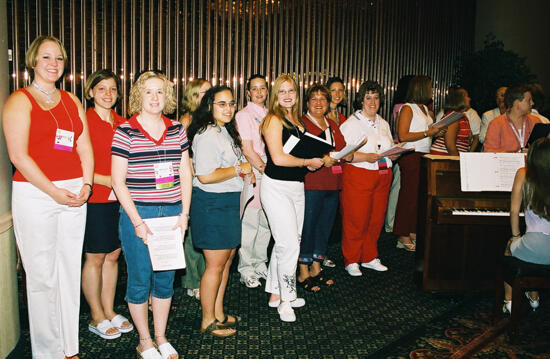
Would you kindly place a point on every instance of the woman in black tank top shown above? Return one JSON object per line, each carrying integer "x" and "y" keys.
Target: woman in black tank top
{"x": 282, "y": 195}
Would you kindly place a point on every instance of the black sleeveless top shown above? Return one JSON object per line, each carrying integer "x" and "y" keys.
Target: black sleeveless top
{"x": 285, "y": 173}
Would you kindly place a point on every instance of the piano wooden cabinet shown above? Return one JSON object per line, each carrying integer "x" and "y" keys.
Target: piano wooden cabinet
{"x": 458, "y": 252}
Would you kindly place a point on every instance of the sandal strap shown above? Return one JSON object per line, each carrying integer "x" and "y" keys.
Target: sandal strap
{"x": 166, "y": 350}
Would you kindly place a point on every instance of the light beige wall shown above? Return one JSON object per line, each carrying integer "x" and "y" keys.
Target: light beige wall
{"x": 9, "y": 310}
{"x": 524, "y": 27}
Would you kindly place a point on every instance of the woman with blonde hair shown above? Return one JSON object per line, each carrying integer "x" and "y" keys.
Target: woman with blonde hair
{"x": 151, "y": 176}
{"x": 192, "y": 96}
{"x": 48, "y": 143}
{"x": 282, "y": 194}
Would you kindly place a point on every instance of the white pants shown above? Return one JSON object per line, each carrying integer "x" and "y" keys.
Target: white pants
{"x": 50, "y": 238}
{"x": 283, "y": 203}
{"x": 254, "y": 242}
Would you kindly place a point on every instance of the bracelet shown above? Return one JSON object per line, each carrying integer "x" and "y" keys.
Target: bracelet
{"x": 137, "y": 225}
{"x": 304, "y": 163}
{"x": 516, "y": 235}
{"x": 425, "y": 133}
{"x": 238, "y": 169}
{"x": 91, "y": 187}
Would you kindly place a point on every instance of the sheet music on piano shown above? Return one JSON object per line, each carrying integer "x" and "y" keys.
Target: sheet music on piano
{"x": 486, "y": 171}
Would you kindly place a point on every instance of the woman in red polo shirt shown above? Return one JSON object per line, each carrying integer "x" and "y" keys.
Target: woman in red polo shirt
{"x": 101, "y": 243}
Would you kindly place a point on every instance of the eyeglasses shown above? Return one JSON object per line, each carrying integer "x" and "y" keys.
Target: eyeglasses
{"x": 284, "y": 92}
{"x": 224, "y": 105}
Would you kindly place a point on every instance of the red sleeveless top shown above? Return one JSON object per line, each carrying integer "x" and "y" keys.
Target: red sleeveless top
{"x": 57, "y": 165}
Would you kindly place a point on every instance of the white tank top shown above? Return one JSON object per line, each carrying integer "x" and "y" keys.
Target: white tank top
{"x": 419, "y": 123}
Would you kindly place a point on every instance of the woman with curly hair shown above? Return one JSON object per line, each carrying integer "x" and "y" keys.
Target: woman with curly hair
{"x": 220, "y": 169}
{"x": 151, "y": 176}
{"x": 531, "y": 189}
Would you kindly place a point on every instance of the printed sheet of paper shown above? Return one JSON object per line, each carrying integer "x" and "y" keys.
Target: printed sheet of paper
{"x": 349, "y": 149}
{"x": 487, "y": 171}
{"x": 396, "y": 150}
{"x": 112, "y": 196}
{"x": 447, "y": 120}
{"x": 165, "y": 244}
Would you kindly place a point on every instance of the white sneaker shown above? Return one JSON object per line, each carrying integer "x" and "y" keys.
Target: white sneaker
{"x": 286, "y": 312}
{"x": 250, "y": 282}
{"x": 296, "y": 303}
{"x": 353, "y": 270}
{"x": 533, "y": 303}
{"x": 375, "y": 264}
{"x": 196, "y": 293}
{"x": 507, "y": 307}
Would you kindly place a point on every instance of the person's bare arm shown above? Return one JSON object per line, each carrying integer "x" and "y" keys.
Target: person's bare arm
{"x": 273, "y": 136}
{"x": 16, "y": 121}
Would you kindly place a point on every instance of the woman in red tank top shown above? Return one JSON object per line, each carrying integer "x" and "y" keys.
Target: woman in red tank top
{"x": 48, "y": 143}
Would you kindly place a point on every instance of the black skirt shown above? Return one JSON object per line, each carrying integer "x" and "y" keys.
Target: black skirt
{"x": 101, "y": 235}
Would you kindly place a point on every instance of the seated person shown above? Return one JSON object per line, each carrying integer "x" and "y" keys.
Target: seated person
{"x": 530, "y": 187}
{"x": 490, "y": 115}
{"x": 458, "y": 137}
{"x": 510, "y": 132}
{"x": 538, "y": 99}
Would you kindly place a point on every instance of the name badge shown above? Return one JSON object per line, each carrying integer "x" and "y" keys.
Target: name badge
{"x": 336, "y": 169}
{"x": 382, "y": 166}
{"x": 164, "y": 175}
{"x": 64, "y": 140}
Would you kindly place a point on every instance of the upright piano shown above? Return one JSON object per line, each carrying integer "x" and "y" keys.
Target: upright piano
{"x": 460, "y": 235}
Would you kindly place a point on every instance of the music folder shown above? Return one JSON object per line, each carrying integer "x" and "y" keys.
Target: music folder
{"x": 307, "y": 146}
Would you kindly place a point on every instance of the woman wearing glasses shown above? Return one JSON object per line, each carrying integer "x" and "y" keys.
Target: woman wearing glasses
{"x": 220, "y": 169}
{"x": 282, "y": 195}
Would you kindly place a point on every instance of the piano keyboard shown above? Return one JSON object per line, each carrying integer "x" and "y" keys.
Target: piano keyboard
{"x": 493, "y": 212}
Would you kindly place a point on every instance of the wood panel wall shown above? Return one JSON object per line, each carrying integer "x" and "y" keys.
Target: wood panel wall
{"x": 226, "y": 41}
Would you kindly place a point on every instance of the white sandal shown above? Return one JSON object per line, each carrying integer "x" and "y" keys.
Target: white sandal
{"x": 150, "y": 353}
{"x": 166, "y": 350}
{"x": 117, "y": 322}
{"x": 101, "y": 329}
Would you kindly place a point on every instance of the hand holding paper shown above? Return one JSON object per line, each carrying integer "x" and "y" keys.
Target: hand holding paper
{"x": 352, "y": 147}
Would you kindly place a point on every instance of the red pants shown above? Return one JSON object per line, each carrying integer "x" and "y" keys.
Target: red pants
{"x": 364, "y": 199}
{"x": 406, "y": 212}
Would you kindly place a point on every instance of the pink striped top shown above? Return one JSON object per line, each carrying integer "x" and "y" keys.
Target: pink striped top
{"x": 132, "y": 142}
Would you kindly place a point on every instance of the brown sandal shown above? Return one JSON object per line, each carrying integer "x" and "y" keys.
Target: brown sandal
{"x": 214, "y": 326}
{"x": 309, "y": 284}
{"x": 226, "y": 323}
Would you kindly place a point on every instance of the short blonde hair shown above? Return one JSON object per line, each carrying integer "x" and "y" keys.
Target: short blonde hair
{"x": 135, "y": 104}
{"x": 190, "y": 99}
{"x": 32, "y": 52}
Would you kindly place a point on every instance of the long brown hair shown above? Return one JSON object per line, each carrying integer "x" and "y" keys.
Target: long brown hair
{"x": 275, "y": 109}
{"x": 536, "y": 192}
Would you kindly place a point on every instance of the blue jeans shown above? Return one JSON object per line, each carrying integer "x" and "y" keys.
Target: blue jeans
{"x": 319, "y": 216}
{"x": 141, "y": 277}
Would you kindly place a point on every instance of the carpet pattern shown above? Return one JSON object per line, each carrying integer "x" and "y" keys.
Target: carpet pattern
{"x": 379, "y": 315}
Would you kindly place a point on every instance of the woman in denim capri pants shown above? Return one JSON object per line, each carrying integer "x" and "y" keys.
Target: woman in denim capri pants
{"x": 151, "y": 175}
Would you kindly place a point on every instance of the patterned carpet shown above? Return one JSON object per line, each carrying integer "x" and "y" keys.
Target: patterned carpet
{"x": 379, "y": 315}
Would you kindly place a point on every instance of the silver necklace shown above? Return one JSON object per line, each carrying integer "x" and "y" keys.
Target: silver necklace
{"x": 48, "y": 94}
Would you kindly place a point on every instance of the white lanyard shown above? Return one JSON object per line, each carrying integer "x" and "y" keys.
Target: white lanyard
{"x": 328, "y": 131}
{"x": 519, "y": 136}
